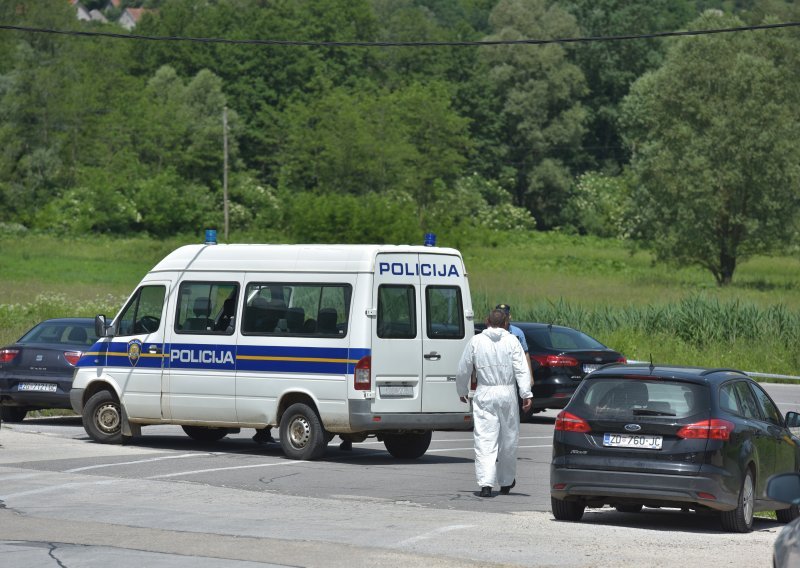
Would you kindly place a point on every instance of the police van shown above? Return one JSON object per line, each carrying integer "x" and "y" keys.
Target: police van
{"x": 318, "y": 340}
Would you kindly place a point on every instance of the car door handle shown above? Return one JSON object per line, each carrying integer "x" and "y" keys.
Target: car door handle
{"x": 154, "y": 349}
{"x": 432, "y": 356}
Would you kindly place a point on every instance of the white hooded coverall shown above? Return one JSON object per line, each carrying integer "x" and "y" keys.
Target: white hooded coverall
{"x": 499, "y": 362}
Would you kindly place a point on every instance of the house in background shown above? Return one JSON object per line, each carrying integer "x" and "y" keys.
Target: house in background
{"x": 130, "y": 17}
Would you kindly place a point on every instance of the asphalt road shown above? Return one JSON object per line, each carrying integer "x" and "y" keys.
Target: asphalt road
{"x": 168, "y": 501}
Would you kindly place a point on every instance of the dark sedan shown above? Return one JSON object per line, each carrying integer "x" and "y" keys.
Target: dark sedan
{"x": 560, "y": 358}
{"x": 36, "y": 371}
{"x": 638, "y": 436}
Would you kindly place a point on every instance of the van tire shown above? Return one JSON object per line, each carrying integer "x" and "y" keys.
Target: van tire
{"x": 407, "y": 446}
{"x": 301, "y": 432}
{"x": 205, "y": 434}
{"x": 102, "y": 418}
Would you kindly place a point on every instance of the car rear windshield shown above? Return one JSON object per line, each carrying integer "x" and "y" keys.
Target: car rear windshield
{"x": 624, "y": 398}
{"x": 65, "y": 333}
{"x": 562, "y": 339}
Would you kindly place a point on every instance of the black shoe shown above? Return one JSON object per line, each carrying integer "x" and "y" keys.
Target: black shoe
{"x": 486, "y": 491}
{"x": 504, "y": 490}
{"x": 346, "y": 446}
{"x": 263, "y": 436}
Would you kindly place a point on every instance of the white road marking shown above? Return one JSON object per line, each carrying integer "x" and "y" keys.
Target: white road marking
{"x": 428, "y": 535}
{"x": 98, "y": 466}
{"x": 57, "y": 488}
{"x": 197, "y": 471}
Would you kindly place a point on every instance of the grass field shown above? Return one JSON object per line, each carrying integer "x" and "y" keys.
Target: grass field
{"x": 644, "y": 310}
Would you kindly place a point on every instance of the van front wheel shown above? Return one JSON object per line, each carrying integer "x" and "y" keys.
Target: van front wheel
{"x": 102, "y": 418}
{"x": 301, "y": 432}
{"x": 407, "y": 446}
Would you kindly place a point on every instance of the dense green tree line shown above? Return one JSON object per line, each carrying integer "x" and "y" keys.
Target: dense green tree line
{"x": 682, "y": 145}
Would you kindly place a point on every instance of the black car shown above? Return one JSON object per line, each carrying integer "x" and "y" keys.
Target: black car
{"x": 36, "y": 371}
{"x": 560, "y": 358}
{"x": 676, "y": 437}
{"x": 785, "y": 487}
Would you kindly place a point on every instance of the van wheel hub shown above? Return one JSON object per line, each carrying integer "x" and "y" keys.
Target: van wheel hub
{"x": 299, "y": 432}
{"x": 107, "y": 418}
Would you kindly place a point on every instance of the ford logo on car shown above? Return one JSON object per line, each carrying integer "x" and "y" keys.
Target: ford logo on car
{"x": 632, "y": 427}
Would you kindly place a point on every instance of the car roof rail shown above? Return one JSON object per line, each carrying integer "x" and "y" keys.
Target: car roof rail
{"x": 722, "y": 370}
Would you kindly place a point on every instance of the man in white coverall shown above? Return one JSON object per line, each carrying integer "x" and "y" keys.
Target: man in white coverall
{"x": 499, "y": 362}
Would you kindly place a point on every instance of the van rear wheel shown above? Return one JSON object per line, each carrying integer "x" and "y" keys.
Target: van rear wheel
{"x": 301, "y": 432}
{"x": 205, "y": 434}
{"x": 407, "y": 446}
{"x": 102, "y": 418}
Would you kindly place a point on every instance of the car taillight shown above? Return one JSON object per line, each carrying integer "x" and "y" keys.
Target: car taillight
{"x": 72, "y": 357}
{"x": 568, "y": 422}
{"x": 713, "y": 429}
{"x": 622, "y": 360}
{"x": 555, "y": 360}
{"x": 362, "y": 377}
{"x": 7, "y": 355}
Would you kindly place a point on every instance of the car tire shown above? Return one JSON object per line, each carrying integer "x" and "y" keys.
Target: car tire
{"x": 740, "y": 519}
{"x": 567, "y": 510}
{"x": 13, "y": 413}
{"x": 788, "y": 515}
{"x": 628, "y": 508}
{"x": 102, "y": 418}
{"x": 205, "y": 434}
{"x": 407, "y": 446}
{"x": 301, "y": 432}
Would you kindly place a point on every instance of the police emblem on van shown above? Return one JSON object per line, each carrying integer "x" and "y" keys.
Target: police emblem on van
{"x": 134, "y": 351}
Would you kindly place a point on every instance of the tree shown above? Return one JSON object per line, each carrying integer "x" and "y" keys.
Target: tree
{"x": 536, "y": 91}
{"x": 714, "y": 134}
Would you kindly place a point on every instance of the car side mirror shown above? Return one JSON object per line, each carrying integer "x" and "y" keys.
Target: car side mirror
{"x": 792, "y": 420}
{"x": 784, "y": 487}
{"x": 101, "y": 327}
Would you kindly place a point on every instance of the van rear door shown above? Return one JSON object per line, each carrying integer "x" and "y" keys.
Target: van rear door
{"x": 419, "y": 332}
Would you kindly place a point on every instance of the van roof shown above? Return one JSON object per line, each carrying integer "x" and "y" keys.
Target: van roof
{"x": 294, "y": 258}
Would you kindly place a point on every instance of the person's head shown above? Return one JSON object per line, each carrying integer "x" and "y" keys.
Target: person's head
{"x": 497, "y": 318}
{"x": 506, "y": 308}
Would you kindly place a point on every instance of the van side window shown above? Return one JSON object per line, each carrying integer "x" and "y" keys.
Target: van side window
{"x": 143, "y": 312}
{"x": 397, "y": 314}
{"x": 315, "y": 310}
{"x": 445, "y": 314}
{"x": 206, "y": 308}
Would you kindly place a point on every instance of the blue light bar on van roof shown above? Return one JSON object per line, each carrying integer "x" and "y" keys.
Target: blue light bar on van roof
{"x": 430, "y": 239}
{"x": 211, "y": 236}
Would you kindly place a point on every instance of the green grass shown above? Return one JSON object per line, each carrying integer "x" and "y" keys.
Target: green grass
{"x": 644, "y": 310}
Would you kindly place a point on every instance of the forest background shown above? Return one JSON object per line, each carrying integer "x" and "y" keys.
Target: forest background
{"x": 616, "y": 186}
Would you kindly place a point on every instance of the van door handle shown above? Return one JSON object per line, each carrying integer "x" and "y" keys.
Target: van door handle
{"x": 432, "y": 356}
{"x": 154, "y": 349}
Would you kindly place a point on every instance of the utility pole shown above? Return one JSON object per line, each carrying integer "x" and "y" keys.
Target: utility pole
{"x": 225, "y": 168}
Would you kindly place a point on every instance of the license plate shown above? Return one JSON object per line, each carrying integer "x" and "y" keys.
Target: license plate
{"x": 640, "y": 441}
{"x": 589, "y": 368}
{"x": 388, "y": 391}
{"x": 43, "y": 387}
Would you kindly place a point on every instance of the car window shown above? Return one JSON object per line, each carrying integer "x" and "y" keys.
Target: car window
{"x": 747, "y": 402}
{"x": 768, "y": 408}
{"x": 561, "y": 338}
{"x": 66, "y": 333}
{"x": 624, "y": 398}
{"x": 727, "y": 399}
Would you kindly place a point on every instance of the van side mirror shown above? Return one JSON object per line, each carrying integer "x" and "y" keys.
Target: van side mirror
{"x": 101, "y": 327}
{"x": 784, "y": 487}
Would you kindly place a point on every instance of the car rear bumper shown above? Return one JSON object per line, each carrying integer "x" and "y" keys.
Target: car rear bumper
{"x": 609, "y": 487}
{"x": 10, "y": 395}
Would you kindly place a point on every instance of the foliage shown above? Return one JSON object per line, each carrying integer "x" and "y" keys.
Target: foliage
{"x": 713, "y": 136}
{"x": 600, "y": 204}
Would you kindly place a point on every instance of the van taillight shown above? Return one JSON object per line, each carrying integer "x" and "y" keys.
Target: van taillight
{"x": 72, "y": 357}
{"x": 714, "y": 429}
{"x": 7, "y": 355}
{"x": 568, "y": 422}
{"x": 555, "y": 360}
{"x": 362, "y": 377}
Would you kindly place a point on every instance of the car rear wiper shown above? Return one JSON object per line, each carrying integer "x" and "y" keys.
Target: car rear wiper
{"x": 648, "y": 412}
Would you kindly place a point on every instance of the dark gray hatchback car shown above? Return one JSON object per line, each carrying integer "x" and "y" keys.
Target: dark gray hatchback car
{"x": 665, "y": 436}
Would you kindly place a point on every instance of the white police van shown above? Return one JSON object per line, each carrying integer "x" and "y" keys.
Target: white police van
{"x": 320, "y": 340}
